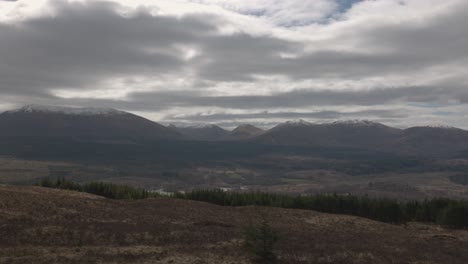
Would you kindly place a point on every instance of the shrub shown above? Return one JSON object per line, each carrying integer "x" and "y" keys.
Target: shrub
{"x": 455, "y": 216}
{"x": 260, "y": 240}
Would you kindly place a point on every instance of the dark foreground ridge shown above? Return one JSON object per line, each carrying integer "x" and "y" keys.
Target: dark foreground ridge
{"x": 43, "y": 225}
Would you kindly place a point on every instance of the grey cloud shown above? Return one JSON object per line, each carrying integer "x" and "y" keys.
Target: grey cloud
{"x": 83, "y": 45}
{"x": 442, "y": 39}
{"x": 86, "y": 43}
{"x": 304, "y": 98}
{"x": 406, "y": 48}
{"x": 158, "y": 101}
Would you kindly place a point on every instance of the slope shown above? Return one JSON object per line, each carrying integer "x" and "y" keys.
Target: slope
{"x": 52, "y": 226}
{"x": 80, "y": 123}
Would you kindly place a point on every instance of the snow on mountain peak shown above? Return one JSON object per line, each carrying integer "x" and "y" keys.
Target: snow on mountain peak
{"x": 196, "y": 126}
{"x": 247, "y": 128}
{"x": 244, "y": 126}
{"x": 204, "y": 126}
{"x": 441, "y": 126}
{"x": 356, "y": 122}
{"x": 299, "y": 122}
{"x": 33, "y": 108}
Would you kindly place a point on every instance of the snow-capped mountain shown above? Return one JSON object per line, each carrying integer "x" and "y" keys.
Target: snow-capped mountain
{"x": 439, "y": 126}
{"x": 80, "y": 123}
{"x": 356, "y": 123}
{"x": 33, "y": 108}
{"x": 349, "y": 123}
{"x": 299, "y": 122}
{"x": 351, "y": 133}
{"x": 104, "y": 124}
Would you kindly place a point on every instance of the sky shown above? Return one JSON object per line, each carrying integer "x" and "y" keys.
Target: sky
{"x": 400, "y": 62}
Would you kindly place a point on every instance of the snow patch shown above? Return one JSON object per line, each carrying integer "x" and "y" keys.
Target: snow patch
{"x": 441, "y": 127}
{"x": 356, "y": 122}
{"x": 299, "y": 122}
{"x": 196, "y": 126}
{"x": 66, "y": 110}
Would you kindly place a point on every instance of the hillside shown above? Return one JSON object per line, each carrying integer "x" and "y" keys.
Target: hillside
{"x": 49, "y": 123}
{"x": 204, "y": 133}
{"x": 363, "y": 134}
{"x": 443, "y": 140}
{"x": 244, "y": 131}
{"x": 80, "y": 123}
{"x": 40, "y": 225}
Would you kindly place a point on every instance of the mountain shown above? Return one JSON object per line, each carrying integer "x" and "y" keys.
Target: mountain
{"x": 354, "y": 133}
{"x": 243, "y": 132}
{"x": 80, "y": 123}
{"x": 110, "y": 125}
{"x": 203, "y": 132}
{"x": 433, "y": 139}
{"x": 363, "y": 134}
{"x": 216, "y": 133}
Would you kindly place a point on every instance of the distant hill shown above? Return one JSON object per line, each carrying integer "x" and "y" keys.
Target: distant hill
{"x": 204, "y": 132}
{"x": 364, "y": 134}
{"x": 348, "y": 133}
{"x": 243, "y": 132}
{"x": 430, "y": 139}
{"x": 215, "y": 133}
{"x": 81, "y": 123}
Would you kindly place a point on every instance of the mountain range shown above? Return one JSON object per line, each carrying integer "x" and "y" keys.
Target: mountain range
{"x": 215, "y": 133}
{"x": 101, "y": 124}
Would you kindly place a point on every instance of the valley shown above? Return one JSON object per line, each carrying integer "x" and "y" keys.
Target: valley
{"x": 346, "y": 157}
{"x": 233, "y": 132}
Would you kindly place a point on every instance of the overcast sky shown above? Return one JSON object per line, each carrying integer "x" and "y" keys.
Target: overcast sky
{"x": 400, "y": 62}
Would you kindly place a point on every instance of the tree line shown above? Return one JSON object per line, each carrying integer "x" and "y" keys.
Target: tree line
{"x": 446, "y": 212}
{"x": 109, "y": 190}
{"x": 443, "y": 211}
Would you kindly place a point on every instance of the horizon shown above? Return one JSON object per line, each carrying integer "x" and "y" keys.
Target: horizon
{"x": 402, "y": 63}
{"x": 58, "y": 108}
{"x": 233, "y": 131}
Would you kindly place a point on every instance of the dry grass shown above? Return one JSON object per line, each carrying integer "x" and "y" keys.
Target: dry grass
{"x": 40, "y": 225}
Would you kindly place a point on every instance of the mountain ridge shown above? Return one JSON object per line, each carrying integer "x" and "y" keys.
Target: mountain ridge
{"x": 81, "y": 123}
{"x": 66, "y": 110}
{"x": 111, "y": 124}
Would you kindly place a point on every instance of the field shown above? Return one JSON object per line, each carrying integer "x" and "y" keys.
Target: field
{"x": 185, "y": 165}
{"x": 286, "y": 174}
{"x": 40, "y": 225}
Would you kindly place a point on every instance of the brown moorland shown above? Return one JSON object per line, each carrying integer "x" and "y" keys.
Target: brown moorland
{"x": 39, "y": 225}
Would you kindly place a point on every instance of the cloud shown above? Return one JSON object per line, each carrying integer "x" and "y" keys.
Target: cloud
{"x": 221, "y": 60}
{"x": 282, "y": 13}
{"x": 84, "y": 44}
{"x": 306, "y": 98}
